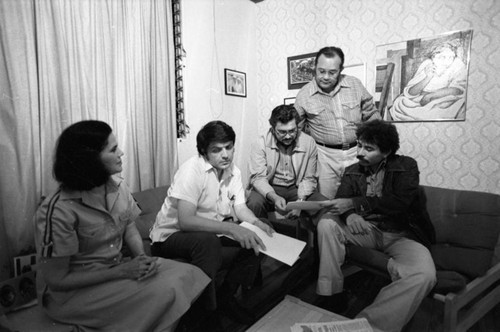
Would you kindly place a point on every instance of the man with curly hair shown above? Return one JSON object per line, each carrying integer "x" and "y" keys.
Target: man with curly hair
{"x": 378, "y": 206}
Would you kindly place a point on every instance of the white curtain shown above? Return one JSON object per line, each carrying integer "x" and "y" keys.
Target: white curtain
{"x": 64, "y": 61}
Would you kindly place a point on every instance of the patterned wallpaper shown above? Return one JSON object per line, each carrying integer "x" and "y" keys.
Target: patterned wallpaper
{"x": 458, "y": 155}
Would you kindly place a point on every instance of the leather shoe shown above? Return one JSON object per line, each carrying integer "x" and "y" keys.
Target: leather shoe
{"x": 230, "y": 308}
{"x": 335, "y": 303}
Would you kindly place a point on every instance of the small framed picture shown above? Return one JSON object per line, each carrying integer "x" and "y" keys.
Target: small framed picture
{"x": 300, "y": 70}
{"x": 235, "y": 82}
{"x": 289, "y": 101}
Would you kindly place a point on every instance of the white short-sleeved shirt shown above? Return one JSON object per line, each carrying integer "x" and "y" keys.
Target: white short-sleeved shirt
{"x": 196, "y": 181}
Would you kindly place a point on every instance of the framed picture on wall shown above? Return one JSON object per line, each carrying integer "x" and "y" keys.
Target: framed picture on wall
{"x": 289, "y": 101}
{"x": 357, "y": 70}
{"x": 424, "y": 79}
{"x": 300, "y": 70}
{"x": 235, "y": 82}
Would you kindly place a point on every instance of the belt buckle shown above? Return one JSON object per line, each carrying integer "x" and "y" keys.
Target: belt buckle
{"x": 345, "y": 146}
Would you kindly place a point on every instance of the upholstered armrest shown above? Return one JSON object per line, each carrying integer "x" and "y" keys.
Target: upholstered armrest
{"x": 150, "y": 202}
{"x": 474, "y": 288}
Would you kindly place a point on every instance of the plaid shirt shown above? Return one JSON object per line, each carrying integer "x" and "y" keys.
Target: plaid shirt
{"x": 330, "y": 117}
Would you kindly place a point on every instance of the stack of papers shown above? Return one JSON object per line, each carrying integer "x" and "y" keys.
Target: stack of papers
{"x": 281, "y": 247}
{"x": 352, "y": 325}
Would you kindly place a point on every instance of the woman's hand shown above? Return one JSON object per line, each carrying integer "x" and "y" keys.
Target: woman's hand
{"x": 139, "y": 268}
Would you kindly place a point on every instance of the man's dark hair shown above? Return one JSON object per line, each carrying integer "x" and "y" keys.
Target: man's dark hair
{"x": 330, "y": 52}
{"x": 381, "y": 133}
{"x": 77, "y": 161}
{"x": 214, "y": 131}
{"x": 283, "y": 114}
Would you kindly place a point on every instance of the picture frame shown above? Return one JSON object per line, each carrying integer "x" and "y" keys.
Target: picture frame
{"x": 235, "y": 83}
{"x": 357, "y": 70}
{"x": 289, "y": 101}
{"x": 300, "y": 70}
{"x": 441, "y": 62}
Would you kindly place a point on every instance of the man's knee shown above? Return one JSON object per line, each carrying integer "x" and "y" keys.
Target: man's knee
{"x": 257, "y": 204}
{"x": 328, "y": 225}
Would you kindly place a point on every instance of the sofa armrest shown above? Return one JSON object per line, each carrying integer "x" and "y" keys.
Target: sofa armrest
{"x": 479, "y": 297}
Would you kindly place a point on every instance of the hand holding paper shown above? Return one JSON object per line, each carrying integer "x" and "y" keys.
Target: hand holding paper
{"x": 281, "y": 247}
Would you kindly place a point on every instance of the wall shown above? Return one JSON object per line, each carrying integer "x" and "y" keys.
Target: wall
{"x": 219, "y": 34}
{"x": 461, "y": 155}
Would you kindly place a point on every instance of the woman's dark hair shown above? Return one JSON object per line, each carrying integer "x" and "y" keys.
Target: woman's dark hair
{"x": 283, "y": 114}
{"x": 330, "y": 52}
{"x": 382, "y": 134}
{"x": 214, "y": 131}
{"x": 77, "y": 162}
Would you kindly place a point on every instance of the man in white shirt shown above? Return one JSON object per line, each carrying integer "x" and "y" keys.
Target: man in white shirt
{"x": 206, "y": 190}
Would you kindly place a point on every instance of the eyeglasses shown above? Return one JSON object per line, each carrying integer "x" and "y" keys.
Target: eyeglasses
{"x": 290, "y": 132}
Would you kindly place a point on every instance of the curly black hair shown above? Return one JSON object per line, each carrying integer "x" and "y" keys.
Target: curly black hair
{"x": 283, "y": 114}
{"x": 381, "y": 133}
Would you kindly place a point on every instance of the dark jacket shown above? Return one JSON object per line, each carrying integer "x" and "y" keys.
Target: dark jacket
{"x": 402, "y": 204}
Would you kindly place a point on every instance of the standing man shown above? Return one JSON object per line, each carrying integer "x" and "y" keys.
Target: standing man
{"x": 378, "y": 206}
{"x": 198, "y": 209}
{"x": 282, "y": 165}
{"x": 330, "y": 107}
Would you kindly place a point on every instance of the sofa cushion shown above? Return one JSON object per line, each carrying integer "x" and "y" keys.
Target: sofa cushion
{"x": 464, "y": 218}
{"x": 449, "y": 281}
{"x": 150, "y": 202}
{"x": 471, "y": 262}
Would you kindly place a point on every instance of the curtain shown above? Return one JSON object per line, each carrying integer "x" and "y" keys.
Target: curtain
{"x": 110, "y": 60}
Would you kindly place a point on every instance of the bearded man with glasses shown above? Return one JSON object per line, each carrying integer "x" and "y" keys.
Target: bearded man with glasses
{"x": 282, "y": 166}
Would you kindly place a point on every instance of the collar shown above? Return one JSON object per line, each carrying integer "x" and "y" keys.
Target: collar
{"x": 380, "y": 167}
{"x": 227, "y": 173}
{"x": 343, "y": 83}
{"x": 392, "y": 164}
{"x": 112, "y": 185}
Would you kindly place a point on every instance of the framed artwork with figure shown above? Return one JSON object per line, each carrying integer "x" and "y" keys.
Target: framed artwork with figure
{"x": 424, "y": 79}
{"x": 235, "y": 82}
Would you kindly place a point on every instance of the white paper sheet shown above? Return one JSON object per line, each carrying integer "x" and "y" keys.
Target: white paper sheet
{"x": 284, "y": 248}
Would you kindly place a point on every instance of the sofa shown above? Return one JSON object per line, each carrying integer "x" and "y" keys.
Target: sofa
{"x": 466, "y": 254}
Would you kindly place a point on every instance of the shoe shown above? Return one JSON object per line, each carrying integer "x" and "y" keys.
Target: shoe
{"x": 213, "y": 323}
{"x": 336, "y": 303}
{"x": 230, "y": 308}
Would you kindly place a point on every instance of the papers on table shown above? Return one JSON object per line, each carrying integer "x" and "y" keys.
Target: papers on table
{"x": 281, "y": 247}
{"x": 306, "y": 205}
{"x": 352, "y": 325}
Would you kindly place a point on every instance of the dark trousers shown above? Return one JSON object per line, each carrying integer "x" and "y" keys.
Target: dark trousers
{"x": 260, "y": 205}
{"x": 211, "y": 254}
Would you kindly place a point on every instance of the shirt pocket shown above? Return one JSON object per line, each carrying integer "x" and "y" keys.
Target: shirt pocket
{"x": 315, "y": 110}
{"x": 351, "y": 106}
{"x": 89, "y": 237}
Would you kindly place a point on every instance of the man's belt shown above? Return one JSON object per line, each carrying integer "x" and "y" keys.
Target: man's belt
{"x": 343, "y": 146}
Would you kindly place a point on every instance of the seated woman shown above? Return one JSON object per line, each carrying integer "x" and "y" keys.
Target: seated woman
{"x": 437, "y": 90}
{"x": 79, "y": 231}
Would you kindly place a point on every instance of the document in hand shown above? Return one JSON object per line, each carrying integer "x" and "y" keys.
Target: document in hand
{"x": 281, "y": 247}
{"x": 306, "y": 205}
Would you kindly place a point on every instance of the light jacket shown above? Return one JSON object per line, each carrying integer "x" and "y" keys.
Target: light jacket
{"x": 264, "y": 158}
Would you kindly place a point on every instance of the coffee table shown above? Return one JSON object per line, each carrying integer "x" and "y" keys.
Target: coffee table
{"x": 290, "y": 311}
